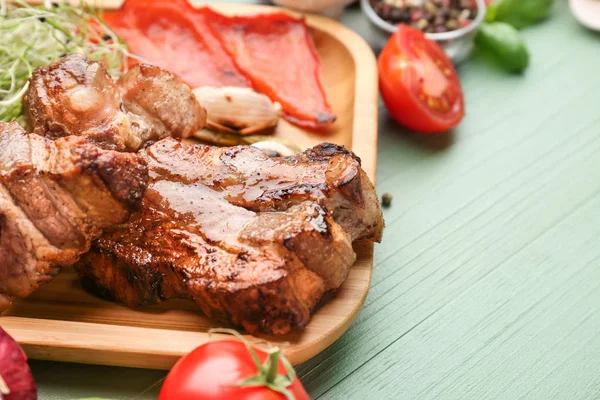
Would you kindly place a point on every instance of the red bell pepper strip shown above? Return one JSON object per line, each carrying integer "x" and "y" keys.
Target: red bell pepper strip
{"x": 277, "y": 53}
{"x": 162, "y": 33}
{"x": 273, "y": 53}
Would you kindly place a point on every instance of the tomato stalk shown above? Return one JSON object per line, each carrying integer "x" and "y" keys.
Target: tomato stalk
{"x": 267, "y": 373}
{"x": 272, "y": 364}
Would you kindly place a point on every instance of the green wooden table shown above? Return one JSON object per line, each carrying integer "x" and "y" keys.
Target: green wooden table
{"x": 487, "y": 284}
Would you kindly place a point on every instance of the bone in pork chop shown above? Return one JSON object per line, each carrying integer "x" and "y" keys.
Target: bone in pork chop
{"x": 252, "y": 240}
{"x": 55, "y": 198}
{"x": 76, "y": 96}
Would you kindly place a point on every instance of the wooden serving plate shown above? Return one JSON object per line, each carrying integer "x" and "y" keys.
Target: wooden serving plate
{"x": 63, "y": 322}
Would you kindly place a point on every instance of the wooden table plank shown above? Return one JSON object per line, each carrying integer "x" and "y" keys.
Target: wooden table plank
{"x": 65, "y": 381}
{"x": 504, "y": 331}
{"x": 487, "y": 284}
{"x": 465, "y": 208}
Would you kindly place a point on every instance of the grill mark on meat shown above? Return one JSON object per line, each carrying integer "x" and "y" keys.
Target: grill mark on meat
{"x": 111, "y": 169}
{"x": 293, "y": 195}
{"x": 8, "y": 251}
{"x": 323, "y": 152}
{"x": 29, "y": 258}
{"x": 40, "y": 197}
{"x": 40, "y": 205}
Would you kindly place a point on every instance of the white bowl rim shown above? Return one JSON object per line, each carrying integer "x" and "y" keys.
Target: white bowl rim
{"x": 450, "y": 35}
{"x": 312, "y": 6}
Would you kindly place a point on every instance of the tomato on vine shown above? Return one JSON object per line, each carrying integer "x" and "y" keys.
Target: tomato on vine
{"x": 232, "y": 369}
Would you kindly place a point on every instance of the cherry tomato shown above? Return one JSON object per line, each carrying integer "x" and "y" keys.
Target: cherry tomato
{"x": 213, "y": 371}
{"x": 418, "y": 83}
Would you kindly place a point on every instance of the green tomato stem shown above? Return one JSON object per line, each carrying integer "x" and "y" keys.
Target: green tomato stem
{"x": 268, "y": 372}
{"x": 272, "y": 365}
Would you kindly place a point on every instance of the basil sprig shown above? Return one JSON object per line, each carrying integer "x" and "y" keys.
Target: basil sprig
{"x": 505, "y": 44}
{"x": 498, "y": 37}
{"x": 519, "y": 13}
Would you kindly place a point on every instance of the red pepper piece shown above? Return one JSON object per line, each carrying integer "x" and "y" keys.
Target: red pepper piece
{"x": 278, "y": 55}
{"x": 273, "y": 53}
{"x": 162, "y": 33}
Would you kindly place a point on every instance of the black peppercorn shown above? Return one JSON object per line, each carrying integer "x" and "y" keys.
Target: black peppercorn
{"x": 429, "y": 16}
{"x": 386, "y": 199}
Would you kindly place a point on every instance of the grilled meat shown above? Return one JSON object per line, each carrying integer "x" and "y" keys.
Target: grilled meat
{"x": 252, "y": 240}
{"x": 75, "y": 96}
{"x": 55, "y": 198}
{"x": 159, "y": 104}
{"x": 328, "y": 174}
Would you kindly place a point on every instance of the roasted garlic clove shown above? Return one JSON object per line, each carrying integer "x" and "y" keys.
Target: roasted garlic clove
{"x": 274, "y": 149}
{"x": 238, "y": 110}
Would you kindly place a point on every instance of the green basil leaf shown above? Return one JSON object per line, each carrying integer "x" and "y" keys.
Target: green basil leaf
{"x": 521, "y": 13}
{"x": 505, "y": 44}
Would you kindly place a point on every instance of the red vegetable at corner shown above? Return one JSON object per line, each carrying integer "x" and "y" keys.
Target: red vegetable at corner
{"x": 419, "y": 84}
{"x": 232, "y": 369}
{"x": 16, "y": 381}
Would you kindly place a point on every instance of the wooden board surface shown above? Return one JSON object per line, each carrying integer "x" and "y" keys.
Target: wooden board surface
{"x": 62, "y": 322}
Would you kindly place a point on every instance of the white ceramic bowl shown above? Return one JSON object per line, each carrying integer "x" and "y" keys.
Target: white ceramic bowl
{"x": 458, "y": 43}
{"x": 330, "y": 8}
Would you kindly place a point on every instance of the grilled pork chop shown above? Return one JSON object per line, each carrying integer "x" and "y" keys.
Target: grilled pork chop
{"x": 159, "y": 104}
{"x": 76, "y": 96}
{"x": 252, "y": 240}
{"x": 328, "y": 174}
{"x": 55, "y": 198}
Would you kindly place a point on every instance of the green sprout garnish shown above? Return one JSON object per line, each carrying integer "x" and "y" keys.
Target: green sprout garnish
{"x": 34, "y": 36}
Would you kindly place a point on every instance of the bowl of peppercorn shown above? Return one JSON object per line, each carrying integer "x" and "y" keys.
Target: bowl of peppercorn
{"x": 451, "y": 23}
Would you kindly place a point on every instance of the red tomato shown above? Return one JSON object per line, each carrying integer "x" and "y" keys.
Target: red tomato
{"x": 213, "y": 370}
{"x": 418, "y": 83}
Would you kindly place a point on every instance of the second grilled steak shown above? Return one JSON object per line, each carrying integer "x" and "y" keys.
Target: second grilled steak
{"x": 252, "y": 240}
{"x": 55, "y": 198}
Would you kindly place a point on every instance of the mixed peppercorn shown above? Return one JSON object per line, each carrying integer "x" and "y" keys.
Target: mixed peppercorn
{"x": 434, "y": 16}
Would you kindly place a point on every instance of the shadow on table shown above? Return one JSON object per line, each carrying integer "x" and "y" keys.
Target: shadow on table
{"x": 433, "y": 143}
{"x": 65, "y": 381}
